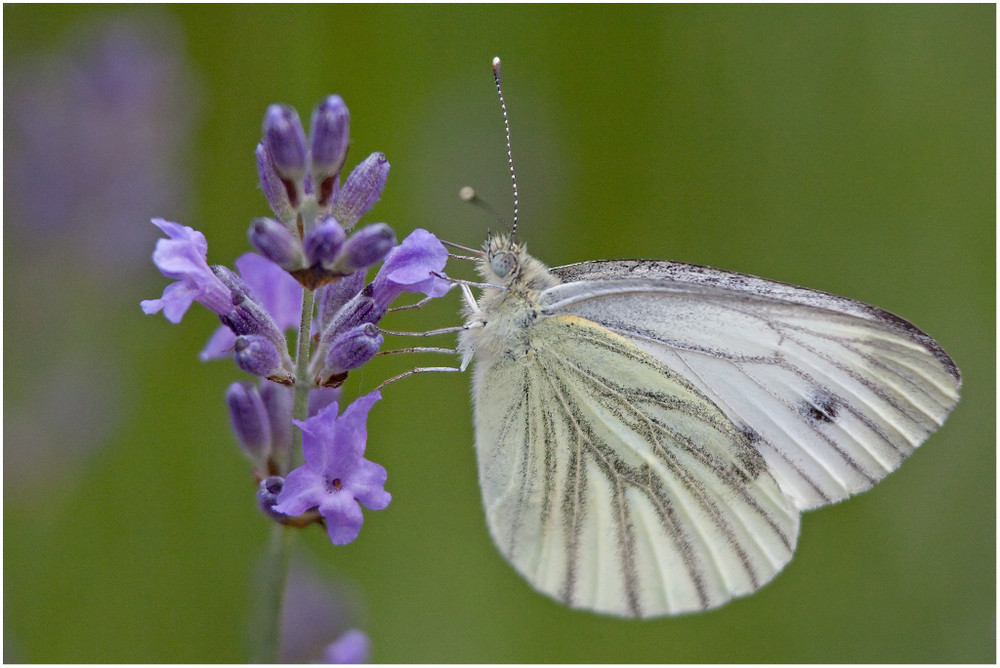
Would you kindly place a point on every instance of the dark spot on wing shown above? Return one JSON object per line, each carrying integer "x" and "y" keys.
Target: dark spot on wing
{"x": 820, "y": 408}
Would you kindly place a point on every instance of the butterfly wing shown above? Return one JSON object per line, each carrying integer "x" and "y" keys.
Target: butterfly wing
{"x": 613, "y": 484}
{"x": 833, "y": 393}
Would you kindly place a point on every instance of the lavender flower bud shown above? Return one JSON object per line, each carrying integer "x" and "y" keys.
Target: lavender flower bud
{"x": 361, "y": 190}
{"x": 365, "y": 247}
{"x": 285, "y": 141}
{"x": 275, "y": 190}
{"x": 247, "y": 316}
{"x": 250, "y": 422}
{"x": 257, "y": 355}
{"x": 238, "y": 289}
{"x": 329, "y": 130}
{"x": 359, "y": 310}
{"x": 277, "y": 243}
{"x": 333, "y": 296}
{"x": 323, "y": 242}
{"x": 349, "y": 351}
{"x": 278, "y": 402}
{"x": 267, "y": 496}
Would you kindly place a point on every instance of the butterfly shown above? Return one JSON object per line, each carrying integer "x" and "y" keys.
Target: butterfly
{"x": 649, "y": 432}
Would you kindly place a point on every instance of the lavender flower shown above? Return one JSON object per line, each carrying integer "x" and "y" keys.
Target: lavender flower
{"x": 183, "y": 257}
{"x": 411, "y": 267}
{"x": 336, "y": 477}
{"x": 306, "y": 249}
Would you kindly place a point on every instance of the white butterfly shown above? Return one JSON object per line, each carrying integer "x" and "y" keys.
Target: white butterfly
{"x": 647, "y": 433}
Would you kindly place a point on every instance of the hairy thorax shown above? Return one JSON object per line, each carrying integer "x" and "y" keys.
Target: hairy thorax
{"x": 499, "y": 324}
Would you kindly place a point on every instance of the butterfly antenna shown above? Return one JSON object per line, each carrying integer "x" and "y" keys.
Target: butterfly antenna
{"x": 510, "y": 158}
{"x": 468, "y": 194}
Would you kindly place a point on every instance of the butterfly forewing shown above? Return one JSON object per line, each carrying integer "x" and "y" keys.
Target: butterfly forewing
{"x": 834, "y": 393}
{"x": 612, "y": 483}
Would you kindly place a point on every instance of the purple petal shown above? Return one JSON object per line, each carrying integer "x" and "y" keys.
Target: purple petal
{"x": 318, "y": 432}
{"x": 274, "y": 287}
{"x": 343, "y": 517}
{"x": 220, "y": 344}
{"x": 352, "y": 430}
{"x": 409, "y": 267}
{"x": 366, "y": 485}
{"x": 183, "y": 258}
{"x": 302, "y": 490}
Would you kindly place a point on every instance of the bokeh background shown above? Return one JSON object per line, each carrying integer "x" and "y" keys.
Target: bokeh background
{"x": 845, "y": 148}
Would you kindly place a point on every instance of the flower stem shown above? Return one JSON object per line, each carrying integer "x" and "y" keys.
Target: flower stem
{"x": 303, "y": 383}
{"x": 271, "y": 599}
{"x": 267, "y": 631}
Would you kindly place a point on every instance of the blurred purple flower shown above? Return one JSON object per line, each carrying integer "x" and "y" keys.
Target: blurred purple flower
{"x": 317, "y": 610}
{"x": 352, "y": 647}
{"x": 336, "y": 477}
{"x": 95, "y": 136}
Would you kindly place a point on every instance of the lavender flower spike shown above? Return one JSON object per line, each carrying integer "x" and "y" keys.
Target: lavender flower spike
{"x": 183, "y": 257}
{"x": 361, "y": 190}
{"x": 336, "y": 476}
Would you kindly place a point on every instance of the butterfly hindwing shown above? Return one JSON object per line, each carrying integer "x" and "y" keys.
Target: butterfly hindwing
{"x": 613, "y": 484}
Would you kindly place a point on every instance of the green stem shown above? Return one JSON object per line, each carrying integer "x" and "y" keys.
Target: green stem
{"x": 268, "y": 619}
{"x": 270, "y": 602}
{"x": 303, "y": 383}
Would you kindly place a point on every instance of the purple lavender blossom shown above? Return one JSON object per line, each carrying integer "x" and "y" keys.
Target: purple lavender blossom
{"x": 410, "y": 267}
{"x": 336, "y": 477}
{"x": 183, "y": 257}
{"x": 352, "y": 647}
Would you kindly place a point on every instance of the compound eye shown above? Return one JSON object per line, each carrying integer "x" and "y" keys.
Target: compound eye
{"x": 503, "y": 264}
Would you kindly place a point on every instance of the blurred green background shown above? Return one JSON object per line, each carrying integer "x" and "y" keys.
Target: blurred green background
{"x": 845, "y": 148}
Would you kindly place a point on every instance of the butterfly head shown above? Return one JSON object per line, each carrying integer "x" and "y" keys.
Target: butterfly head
{"x": 507, "y": 263}
{"x": 503, "y": 260}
